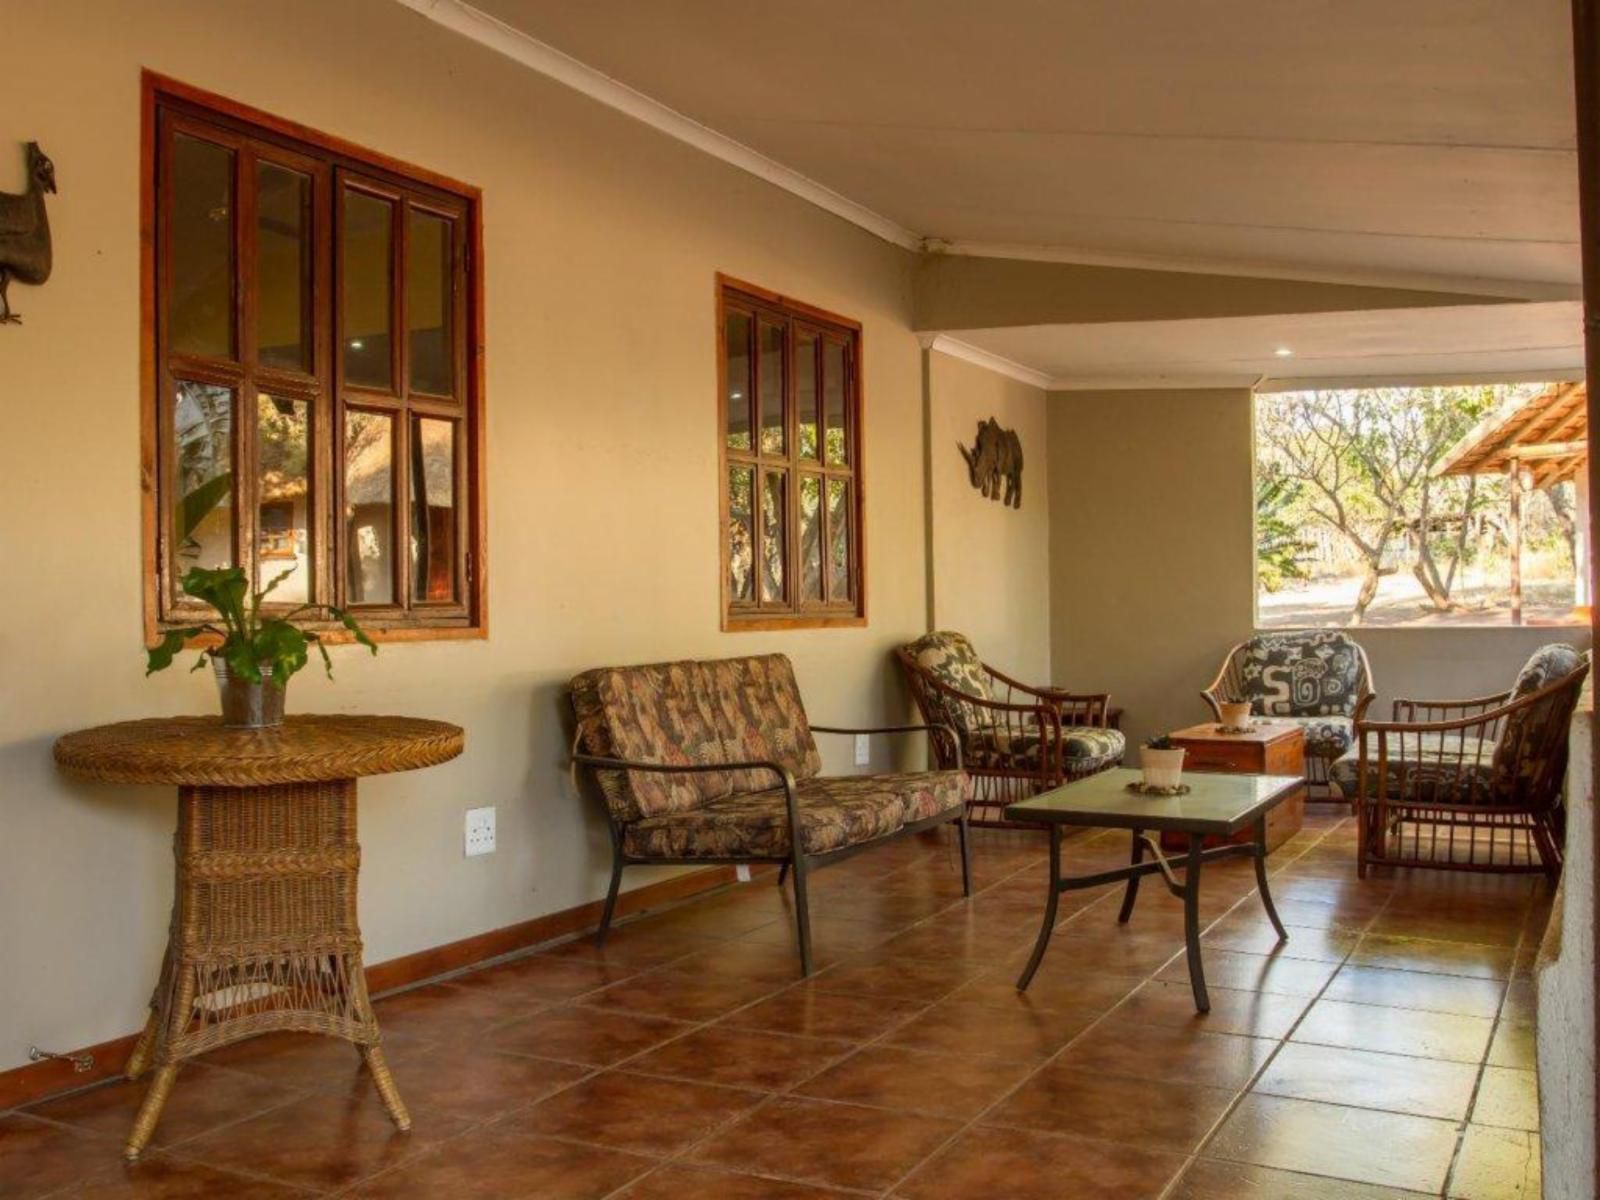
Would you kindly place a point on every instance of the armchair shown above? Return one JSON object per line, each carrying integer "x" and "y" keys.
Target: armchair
{"x": 1014, "y": 739}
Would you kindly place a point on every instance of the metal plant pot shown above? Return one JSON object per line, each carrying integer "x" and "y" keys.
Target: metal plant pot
{"x": 248, "y": 705}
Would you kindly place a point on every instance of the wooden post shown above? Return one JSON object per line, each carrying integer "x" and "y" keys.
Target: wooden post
{"x": 1514, "y": 533}
{"x": 1582, "y": 597}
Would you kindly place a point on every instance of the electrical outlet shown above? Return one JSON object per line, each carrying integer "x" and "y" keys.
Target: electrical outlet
{"x": 480, "y": 831}
{"x": 742, "y": 872}
{"x": 863, "y": 750}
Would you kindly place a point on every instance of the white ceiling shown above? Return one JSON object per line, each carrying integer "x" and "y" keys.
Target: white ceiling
{"x": 1372, "y": 139}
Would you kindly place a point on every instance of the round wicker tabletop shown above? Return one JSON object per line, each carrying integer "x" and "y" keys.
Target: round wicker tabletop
{"x": 201, "y": 752}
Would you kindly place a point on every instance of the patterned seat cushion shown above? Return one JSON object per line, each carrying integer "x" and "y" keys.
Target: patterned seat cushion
{"x": 1326, "y": 737}
{"x": 1424, "y": 767}
{"x": 834, "y": 813}
{"x": 1083, "y": 747}
{"x": 1314, "y": 673}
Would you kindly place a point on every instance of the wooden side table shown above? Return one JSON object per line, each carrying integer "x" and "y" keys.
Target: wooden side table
{"x": 264, "y": 934}
{"x": 1266, "y": 749}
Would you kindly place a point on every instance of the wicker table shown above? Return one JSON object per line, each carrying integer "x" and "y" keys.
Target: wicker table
{"x": 264, "y": 934}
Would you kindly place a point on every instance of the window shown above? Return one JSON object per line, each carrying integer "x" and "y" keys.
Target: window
{"x": 314, "y": 403}
{"x": 789, "y": 412}
{"x": 1420, "y": 505}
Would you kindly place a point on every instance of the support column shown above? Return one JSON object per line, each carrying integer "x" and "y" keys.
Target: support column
{"x": 1514, "y": 535}
{"x": 1582, "y": 552}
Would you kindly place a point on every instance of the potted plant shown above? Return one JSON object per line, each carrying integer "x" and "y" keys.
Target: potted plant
{"x": 1161, "y": 762}
{"x": 1235, "y": 715}
{"x": 257, "y": 654}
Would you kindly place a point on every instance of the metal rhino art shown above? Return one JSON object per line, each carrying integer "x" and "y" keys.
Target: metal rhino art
{"x": 995, "y": 459}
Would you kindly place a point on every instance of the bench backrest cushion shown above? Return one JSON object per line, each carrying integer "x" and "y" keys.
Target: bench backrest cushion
{"x": 682, "y": 713}
{"x": 1312, "y": 673}
{"x": 1530, "y": 753}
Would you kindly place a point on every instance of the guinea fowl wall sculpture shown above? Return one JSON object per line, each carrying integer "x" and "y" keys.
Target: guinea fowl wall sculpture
{"x": 25, "y": 231}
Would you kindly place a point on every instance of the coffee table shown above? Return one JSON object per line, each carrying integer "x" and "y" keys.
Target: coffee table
{"x": 1215, "y": 805}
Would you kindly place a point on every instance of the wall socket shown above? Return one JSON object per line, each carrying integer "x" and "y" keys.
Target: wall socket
{"x": 863, "y": 750}
{"x": 741, "y": 872}
{"x": 480, "y": 831}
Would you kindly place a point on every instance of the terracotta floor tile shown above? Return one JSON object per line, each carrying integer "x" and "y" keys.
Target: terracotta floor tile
{"x": 37, "y": 1158}
{"x": 1514, "y": 1045}
{"x": 1521, "y": 1002}
{"x": 631, "y": 945}
{"x": 498, "y": 1163}
{"x": 1417, "y": 990}
{"x": 1319, "y": 915}
{"x": 448, "y": 1012}
{"x": 1164, "y": 1053}
{"x": 1419, "y": 1086}
{"x": 635, "y": 1112}
{"x": 1447, "y": 1036}
{"x": 681, "y": 996}
{"x": 967, "y": 942}
{"x": 1058, "y": 987}
{"x": 946, "y": 1085}
{"x": 1257, "y": 936}
{"x": 749, "y": 1058}
{"x": 1108, "y": 1108}
{"x": 1015, "y": 1034}
{"x": 1441, "y": 958}
{"x": 159, "y": 1176}
{"x": 1451, "y": 927}
{"x": 1258, "y": 1014}
{"x": 830, "y": 937}
{"x": 747, "y": 960}
{"x": 302, "y": 1060}
{"x": 1497, "y": 1164}
{"x": 1256, "y": 973}
{"x": 202, "y": 1099}
{"x": 543, "y": 978}
{"x": 807, "y": 1012}
{"x": 322, "y": 1141}
{"x": 1508, "y": 1098}
{"x": 832, "y": 1144}
{"x": 592, "y": 1036}
{"x": 678, "y": 1182}
{"x": 1212, "y": 1179}
{"x": 1385, "y": 1148}
{"x": 1017, "y": 1164}
{"x": 478, "y": 1083}
{"x": 907, "y": 979}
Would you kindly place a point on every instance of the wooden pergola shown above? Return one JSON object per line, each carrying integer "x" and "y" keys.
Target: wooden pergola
{"x": 1535, "y": 442}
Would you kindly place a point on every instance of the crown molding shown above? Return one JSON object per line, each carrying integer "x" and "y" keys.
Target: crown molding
{"x": 1429, "y": 379}
{"x": 496, "y": 35}
{"x": 943, "y": 343}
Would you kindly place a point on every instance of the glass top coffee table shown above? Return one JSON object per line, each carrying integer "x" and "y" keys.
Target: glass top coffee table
{"x": 1215, "y": 804}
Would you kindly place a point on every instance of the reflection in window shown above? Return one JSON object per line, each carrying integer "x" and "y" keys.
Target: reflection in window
{"x": 368, "y": 265}
{"x": 433, "y": 512}
{"x": 202, "y": 517}
{"x": 368, "y": 507}
{"x": 833, "y": 396}
{"x": 810, "y": 537}
{"x": 741, "y": 534}
{"x": 771, "y": 376}
{"x": 805, "y": 391}
{"x": 773, "y": 539}
{"x": 428, "y": 280}
{"x": 283, "y": 267}
{"x": 283, "y": 497}
{"x": 200, "y": 296}
{"x": 838, "y": 540}
{"x": 737, "y": 336}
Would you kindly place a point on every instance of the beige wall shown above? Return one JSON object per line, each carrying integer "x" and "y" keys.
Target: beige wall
{"x": 602, "y": 240}
{"x": 991, "y": 563}
{"x": 1151, "y": 527}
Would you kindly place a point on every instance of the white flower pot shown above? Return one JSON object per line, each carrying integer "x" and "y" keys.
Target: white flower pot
{"x": 1162, "y": 768}
{"x": 1235, "y": 714}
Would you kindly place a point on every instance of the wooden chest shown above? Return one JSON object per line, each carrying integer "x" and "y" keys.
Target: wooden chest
{"x": 1267, "y": 749}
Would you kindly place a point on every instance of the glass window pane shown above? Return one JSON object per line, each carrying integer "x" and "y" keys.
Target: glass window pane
{"x": 833, "y": 394}
{"x": 367, "y": 266}
{"x": 283, "y": 267}
{"x": 428, "y": 312}
{"x": 368, "y": 507}
{"x": 810, "y": 537}
{"x": 737, "y": 336}
{"x": 773, "y": 536}
{"x": 200, "y": 224}
{"x": 741, "y": 534}
{"x": 283, "y": 497}
{"x": 839, "y": 539}
{"x": 433, "y": 509}
{"x": 805, "y": 390}
{"x": 202, "y": 509}
{"x": 772, "y": 438}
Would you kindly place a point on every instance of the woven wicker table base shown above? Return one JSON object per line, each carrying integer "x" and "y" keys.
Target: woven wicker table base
{"x": 264, "y": 935}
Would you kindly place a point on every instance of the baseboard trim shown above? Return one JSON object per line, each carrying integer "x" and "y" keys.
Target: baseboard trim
{"x": 38, "y": 1081}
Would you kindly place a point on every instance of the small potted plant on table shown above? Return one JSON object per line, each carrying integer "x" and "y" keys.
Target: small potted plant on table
{"x": 1162, "y": 764}
{"x": 256, "y": 654}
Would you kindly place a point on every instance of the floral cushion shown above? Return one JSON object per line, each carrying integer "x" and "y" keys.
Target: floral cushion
{"x": 1429, "y": 767}
{"x": 1533, "y": 740}
{"x": 834, "y": 813}
{"x": 692, "y": 712}
{"x": 1083, "y": 747}
{"x": 1326, "y": 737}
{"x": 1301, "y": 674}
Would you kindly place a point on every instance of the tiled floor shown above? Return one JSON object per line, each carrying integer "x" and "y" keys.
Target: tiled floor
{"x": 1385, "y": 1051}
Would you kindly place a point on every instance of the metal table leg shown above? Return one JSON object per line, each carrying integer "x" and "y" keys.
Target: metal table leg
{"x": 1132, "y": 892}
{"x": 1261, "y": 880}
{"x": 1049, "y": 926}
{"x": 1191, "y": 923}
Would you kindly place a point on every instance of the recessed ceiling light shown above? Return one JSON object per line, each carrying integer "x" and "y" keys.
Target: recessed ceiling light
{"x": 1283, "y": 352}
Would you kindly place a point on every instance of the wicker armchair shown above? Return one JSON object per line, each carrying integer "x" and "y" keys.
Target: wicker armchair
{"x": 1016, "y": 739}
{"x": 1469, "y": 784}
{"x": 1319, "y": 679}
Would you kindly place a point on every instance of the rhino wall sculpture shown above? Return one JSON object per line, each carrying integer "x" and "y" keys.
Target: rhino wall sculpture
{"x": 996, "y": 459}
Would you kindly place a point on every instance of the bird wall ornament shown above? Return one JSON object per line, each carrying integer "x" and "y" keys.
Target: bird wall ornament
{"x": 25, "y": 255}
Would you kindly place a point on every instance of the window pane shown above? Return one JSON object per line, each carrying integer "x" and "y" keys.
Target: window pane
{"x": 773, "y": 539}
{"x": 810, "y": 537}
{"x": 737, "y": 333}
{"x": 283, "y": 267}
{"x": 367, "y": 263}
{"x": 433, "y": 509}
{"x": 428, "y": 282}
{"x": 741, "y": 534}
{"x": 833, "y": 393}
{"x": 838, "y": 539}
{"x": 771, "y": 389}
{"x": 283, "y": 497}
{"x": 200, "y": 304}
{"x": 368, "y": 507}
{"x": 202, "y": 510}
{"x": 805, "y": 388}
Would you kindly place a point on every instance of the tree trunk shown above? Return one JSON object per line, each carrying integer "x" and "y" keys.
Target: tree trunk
{"x": 1368, "y": 592}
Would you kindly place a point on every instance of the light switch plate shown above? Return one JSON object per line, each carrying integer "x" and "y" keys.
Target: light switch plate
{"x": 863, "y": 750}
{"x": 480, "y": 831}
{"x": 742, "y": 872}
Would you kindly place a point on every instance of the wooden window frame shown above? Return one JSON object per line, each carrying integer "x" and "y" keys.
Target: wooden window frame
{"x": 792, "y": 613}
{"x": 169, "y": 106}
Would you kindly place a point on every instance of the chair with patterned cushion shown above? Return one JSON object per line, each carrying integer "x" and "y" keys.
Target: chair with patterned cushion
{"x": 715, "y": 762}
{"x": 1469, "y": 784}
{"x": 1318, "y": 679}
{"x": 1016, "y": 739}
